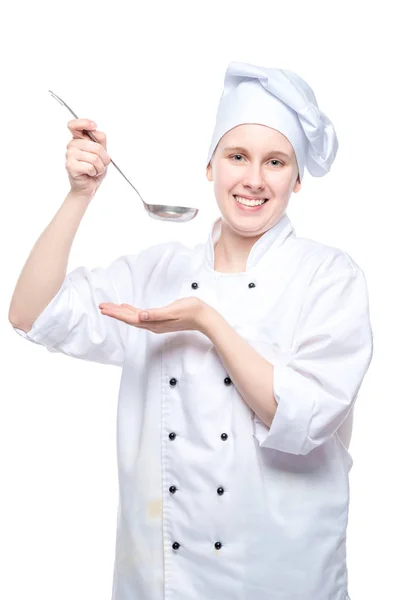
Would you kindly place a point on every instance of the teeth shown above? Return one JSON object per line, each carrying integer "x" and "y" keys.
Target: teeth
{"x": 249, "y": 202}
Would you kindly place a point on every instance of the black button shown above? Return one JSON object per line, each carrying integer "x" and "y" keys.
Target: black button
{"x": 175, "y": 545}
{"x": 224, "y": 436}
{"x": 227, "y": 381}
{"x": 173, "y": 381}
{"x": 172, "y": 435}
{"x": 218, "y": 545}
{"x": 251, "y": 285}
{"x": 172, "y": 489}
{"x": 220, "y": 491}
{"x": 195, "y": 285}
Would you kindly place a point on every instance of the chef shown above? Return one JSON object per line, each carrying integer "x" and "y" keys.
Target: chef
{"x": 241, "y": 358}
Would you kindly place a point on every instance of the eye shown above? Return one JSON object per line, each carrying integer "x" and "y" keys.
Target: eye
{"x": 239, "y": 156}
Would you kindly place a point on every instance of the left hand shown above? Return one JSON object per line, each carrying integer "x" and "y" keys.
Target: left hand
{"x": 183, "y": 314}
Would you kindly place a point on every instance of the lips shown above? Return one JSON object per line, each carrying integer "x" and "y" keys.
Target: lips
{"x": 251, "y": 197}
{"x": 247, "y": 208}
{"x": 260, "y": 201}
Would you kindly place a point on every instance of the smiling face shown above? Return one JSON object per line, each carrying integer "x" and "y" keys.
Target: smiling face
{"x": 253, "y": 161}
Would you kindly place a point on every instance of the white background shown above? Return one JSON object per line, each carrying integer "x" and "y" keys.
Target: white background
{"x": 151, "y": 75}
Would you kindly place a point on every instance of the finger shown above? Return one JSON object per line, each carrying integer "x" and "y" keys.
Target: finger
{"x": 76, "y": 127}
{"x": 92, "y": 159}
{"x": 87, "y": 145}
{"x": 124, "y": 312}
{"x": 101, "y": 137}
{"x": 113, "y": 305}
{"x": 159, "y": 314}
{"x": 123, "y": 317}
{"x": 79, "y": 167}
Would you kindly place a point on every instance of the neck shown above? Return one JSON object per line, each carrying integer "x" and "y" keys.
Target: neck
{"x": 232, "y": 250}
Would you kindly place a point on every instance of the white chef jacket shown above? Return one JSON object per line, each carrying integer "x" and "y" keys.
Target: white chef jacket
{"x": 213, "y": 503}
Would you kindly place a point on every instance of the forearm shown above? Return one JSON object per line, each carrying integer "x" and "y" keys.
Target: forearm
{"x": 46, "y": 266}
{"x": 251, "y": 374}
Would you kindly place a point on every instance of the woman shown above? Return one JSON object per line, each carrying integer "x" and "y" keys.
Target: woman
{"x": 233, "y": 471}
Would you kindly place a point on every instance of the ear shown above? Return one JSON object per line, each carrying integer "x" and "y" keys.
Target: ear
{"x": 209, "y": 172}
{"x": 297, "y": 185}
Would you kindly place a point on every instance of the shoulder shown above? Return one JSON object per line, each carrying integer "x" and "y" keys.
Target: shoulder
{"x": 319, "y": 258}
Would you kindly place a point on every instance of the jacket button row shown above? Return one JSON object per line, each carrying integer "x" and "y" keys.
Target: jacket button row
{"x": 217, "y": 545}
{"x": 224, "y": 436}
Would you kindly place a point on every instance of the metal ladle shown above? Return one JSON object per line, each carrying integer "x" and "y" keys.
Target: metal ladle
{"x": 162, "y": 212}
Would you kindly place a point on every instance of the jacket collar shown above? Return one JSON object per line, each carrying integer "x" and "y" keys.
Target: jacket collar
{"x": 273, "y": 237}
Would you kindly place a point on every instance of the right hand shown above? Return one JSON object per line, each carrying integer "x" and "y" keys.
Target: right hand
{"x": 86, "y": 161}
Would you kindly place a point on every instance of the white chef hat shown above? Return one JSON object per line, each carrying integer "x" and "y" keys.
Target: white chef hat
{"x": 283, "y": 101}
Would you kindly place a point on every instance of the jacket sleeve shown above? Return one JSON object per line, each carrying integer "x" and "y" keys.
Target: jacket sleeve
{"x": 72, "y": 322}
{"x": 316, "y": 386}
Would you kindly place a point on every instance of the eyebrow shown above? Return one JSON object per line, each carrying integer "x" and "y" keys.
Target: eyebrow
{"x": 240, "y": 149}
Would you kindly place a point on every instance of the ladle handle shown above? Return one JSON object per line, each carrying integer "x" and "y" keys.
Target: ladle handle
{"x": 93, "y": 137}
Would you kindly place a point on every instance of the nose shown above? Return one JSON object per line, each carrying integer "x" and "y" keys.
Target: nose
{"x": 254, "y": 178}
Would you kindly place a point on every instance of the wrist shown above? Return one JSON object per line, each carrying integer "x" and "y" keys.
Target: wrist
{"x": 206, "y": 320}
{"x": 76, "y": 195}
